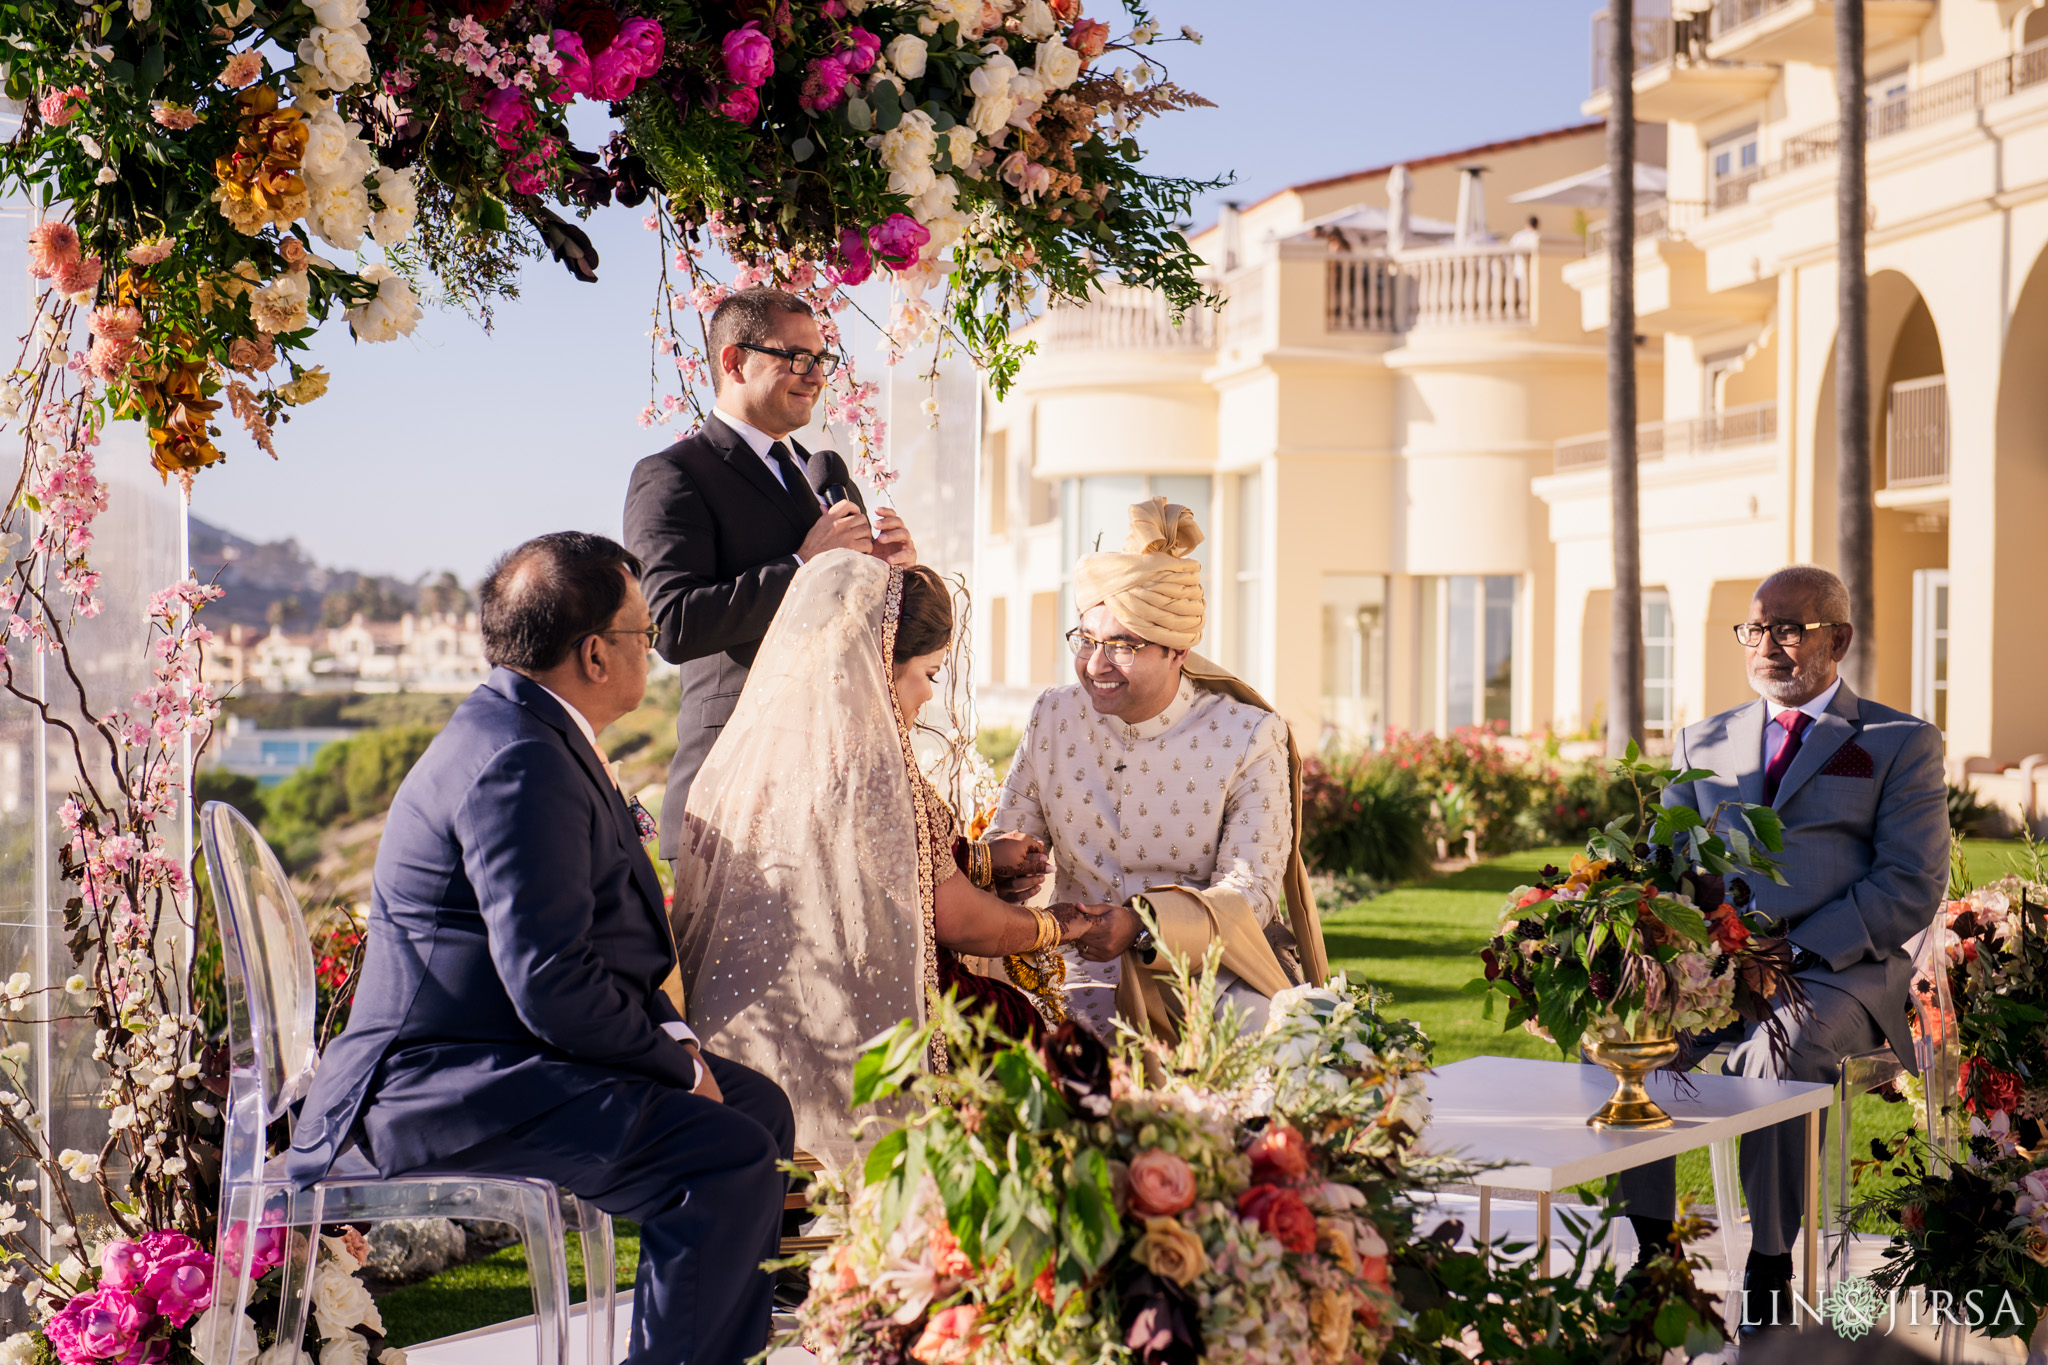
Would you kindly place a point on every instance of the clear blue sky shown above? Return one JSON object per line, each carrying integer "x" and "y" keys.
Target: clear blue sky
{"x": 441, "y": 449}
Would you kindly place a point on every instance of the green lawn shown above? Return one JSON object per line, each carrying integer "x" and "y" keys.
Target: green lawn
{"x": 493, "y": 1289}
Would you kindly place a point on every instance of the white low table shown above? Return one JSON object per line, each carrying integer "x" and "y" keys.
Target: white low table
{"x": 1530, "y": 1116}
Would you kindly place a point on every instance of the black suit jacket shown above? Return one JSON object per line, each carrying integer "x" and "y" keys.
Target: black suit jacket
{"x": 517, "y": 946}
{"x": 715, "y": 535}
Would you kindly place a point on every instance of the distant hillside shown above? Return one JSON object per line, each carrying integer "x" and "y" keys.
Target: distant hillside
{"x": 279, "y": 581}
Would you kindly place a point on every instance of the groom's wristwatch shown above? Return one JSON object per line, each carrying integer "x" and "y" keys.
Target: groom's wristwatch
{"x": 1807, "y": 960}
{"x": 1145, "y": 946}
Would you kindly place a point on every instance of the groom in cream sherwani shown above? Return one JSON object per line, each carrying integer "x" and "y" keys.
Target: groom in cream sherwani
{"x": 1156, "y": 773}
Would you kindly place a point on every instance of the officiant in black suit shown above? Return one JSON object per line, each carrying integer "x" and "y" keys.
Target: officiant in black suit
{"x": 722, "y": 519}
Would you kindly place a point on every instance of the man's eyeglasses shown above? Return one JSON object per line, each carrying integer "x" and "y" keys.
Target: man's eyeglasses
{"x": 800, "y": 362}
{"x": 647, "y": 633}
{"x": 1786, "y": 633}
{"x": 1120, "y": 652}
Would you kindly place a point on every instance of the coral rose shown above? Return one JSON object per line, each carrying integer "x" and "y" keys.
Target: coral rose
{"x": 1984, "y": 1089}
{"x": 59, "y": 107}
{"x": 1160, "y": 1183}
{"x": 1281, "y": 1215}
{"x": 1280, "y": 1156}
{"x": 1726, "y": 924}
{"x": 1170, "y": 1251}
{"x": 2035, "y": 1243}
{"x": 1088, "y": 38}
{"x": 947, "y": 1257}
{"x": 949, "y": 1335}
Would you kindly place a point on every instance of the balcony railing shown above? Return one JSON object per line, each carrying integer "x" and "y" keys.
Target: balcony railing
{"x": 1755, "y": 424}
{"x": 1960, "y": 94}
{"x": 1365, "y": 295}
{"x": 1916, "y": 432}
{"x": 1462, "y": 286}
{"x": 1657, "y": 40}
{"x": 1121, "y": 318}
{"x": 1668, "y": 220}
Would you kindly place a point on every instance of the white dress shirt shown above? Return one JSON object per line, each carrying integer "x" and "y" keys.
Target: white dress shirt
{"x": 1775, "y": 734}
{"x": 760, "y": 442}
{"x": 681, "y": 1032}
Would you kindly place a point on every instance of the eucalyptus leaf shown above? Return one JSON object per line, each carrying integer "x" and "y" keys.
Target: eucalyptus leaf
{"x": 803, "y": 149}
{"x": 859, "y": 115}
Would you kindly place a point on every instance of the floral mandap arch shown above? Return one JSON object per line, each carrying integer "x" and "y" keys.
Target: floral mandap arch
{"x": 212, "y": 183}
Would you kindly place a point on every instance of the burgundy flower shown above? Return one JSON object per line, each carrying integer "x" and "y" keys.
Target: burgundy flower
{"x": 594, "y": 21}
{"x": 1160, "y": 1325}
{"x": 1079, "y": 1064}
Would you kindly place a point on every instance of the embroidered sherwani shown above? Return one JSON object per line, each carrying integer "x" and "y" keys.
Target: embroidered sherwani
{"x": 1198, "y": 795}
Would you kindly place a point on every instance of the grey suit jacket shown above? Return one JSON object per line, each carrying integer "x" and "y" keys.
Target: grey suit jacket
{"x": 1866, "y": 838}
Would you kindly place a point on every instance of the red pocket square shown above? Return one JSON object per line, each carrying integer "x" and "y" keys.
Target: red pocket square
{"x": 1851, "y": 760}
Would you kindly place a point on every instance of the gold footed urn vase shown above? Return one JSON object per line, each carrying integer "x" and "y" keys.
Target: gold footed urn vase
{"x": 1650, "y": 1045}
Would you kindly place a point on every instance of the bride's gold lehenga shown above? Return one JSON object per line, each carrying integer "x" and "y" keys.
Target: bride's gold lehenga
{"x": 812, "y": 848}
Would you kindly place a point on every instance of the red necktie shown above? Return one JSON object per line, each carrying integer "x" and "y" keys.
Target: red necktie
{"x": 1795, "y": 723}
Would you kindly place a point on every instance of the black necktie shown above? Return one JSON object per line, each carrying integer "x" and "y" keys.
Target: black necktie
{"x": 793, "y": 481}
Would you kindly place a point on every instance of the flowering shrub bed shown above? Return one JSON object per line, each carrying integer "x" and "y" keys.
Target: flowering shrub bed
{"x": 1648, "y": 932}
{"x": 1362, "y": 814}
{"x": 1226, "y": 1199}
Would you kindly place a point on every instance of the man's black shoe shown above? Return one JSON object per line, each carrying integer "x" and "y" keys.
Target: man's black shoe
{"x": 1767, "y": 1295}
{"x": 1653, "y": 1239}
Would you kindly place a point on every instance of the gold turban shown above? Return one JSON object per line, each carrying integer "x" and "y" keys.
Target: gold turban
{"x": 1152, "y": 586}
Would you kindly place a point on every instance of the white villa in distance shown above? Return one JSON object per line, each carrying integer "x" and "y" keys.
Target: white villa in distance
{"x": 1394, "y": 432}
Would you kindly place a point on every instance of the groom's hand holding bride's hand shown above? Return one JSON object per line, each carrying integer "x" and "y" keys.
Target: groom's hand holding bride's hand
{"x": 892, "y": 544}
{"x": 1104, "y": 931}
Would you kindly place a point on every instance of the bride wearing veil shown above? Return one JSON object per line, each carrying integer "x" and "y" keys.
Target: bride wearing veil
{"x": 821, "y": 894}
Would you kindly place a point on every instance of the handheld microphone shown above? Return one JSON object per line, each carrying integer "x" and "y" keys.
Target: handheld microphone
{"x": 835, "y": 493}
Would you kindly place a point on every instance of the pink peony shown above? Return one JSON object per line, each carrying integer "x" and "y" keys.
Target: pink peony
{"x": 179, "y": 1277}
{"x": 855, "y": 263}
{"x": 862, "y": 47}
{"x": 52, "y": 248}
{"x": 749, "y": 56}
{"x": 80, "y": 277}
{"x": 574, "y": 78}
{"x": 741, "y": 105}
{"x": 150, "y": 252}
{"x": 825, "y": 86}
{"x": 268, "y": 1253}
{"x": 898, "y": 239}
{"x": 507, "y": 111}
{"x": 613, "y": 73}
{"x": 59, "y": 107}
{"x": 534, "y": 172}
{"x": 107, "y": 1324}
{"x": 1160, "y": 1184}
{"x": 643, "y": 41}
{"x": 122, "y": 1264}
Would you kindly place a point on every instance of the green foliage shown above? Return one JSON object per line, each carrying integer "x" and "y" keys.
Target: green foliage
{"x": 351, "y": 780}
{"x": 237, "y": 789}
{"x": 998, "y": 744}
{"x": 1363, "y": 814}
{"x": 1487, "y": 786}
{"x": 1969, "y": 813}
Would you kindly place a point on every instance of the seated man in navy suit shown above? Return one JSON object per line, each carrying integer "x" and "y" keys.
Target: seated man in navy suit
{"x": 510, "y": 1018}
{"x": 1859, "y": 789}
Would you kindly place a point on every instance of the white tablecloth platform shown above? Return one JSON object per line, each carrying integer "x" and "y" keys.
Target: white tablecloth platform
{"x": 512, "y": 1343}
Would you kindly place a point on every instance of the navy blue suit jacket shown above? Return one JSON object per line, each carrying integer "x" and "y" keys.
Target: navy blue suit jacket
{"x": 517, "y": 946}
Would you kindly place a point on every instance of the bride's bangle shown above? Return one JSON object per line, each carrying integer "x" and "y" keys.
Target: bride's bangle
{"x": 981, "y": 864}
{"x": 1048, "y": 931}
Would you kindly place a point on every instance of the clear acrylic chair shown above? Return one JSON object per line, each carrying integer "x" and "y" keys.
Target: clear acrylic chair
{"x": 1937, "y": 1054}
{"x": 268, "y": 957}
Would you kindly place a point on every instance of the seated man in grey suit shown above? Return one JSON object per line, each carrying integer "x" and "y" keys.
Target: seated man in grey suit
{"x": 510, "y": 1018}
{"x": 1859, "y": 789}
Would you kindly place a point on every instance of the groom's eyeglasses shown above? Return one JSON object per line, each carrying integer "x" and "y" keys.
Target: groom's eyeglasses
{"x": 1786, "y": 633}
{"x": 800, "y": 362}
{"x": 1121, "y": 652}
{"x": 647, "y": 633}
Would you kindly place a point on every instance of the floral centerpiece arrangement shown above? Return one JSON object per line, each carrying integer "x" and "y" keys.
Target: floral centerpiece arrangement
{"x": 1649, "y": 935}
{"x": 1227, "y": 1198}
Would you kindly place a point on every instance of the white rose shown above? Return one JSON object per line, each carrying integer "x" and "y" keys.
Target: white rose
{"x": 1058, "y": 65}
{"x": 1035, "y": 20}
{"x": 965, "y": 13}
{"x": 19, "y": 1349}
{"x": 936, "y": 202}
{"x": 992, "y": 98}
{"x": 1028, "y": 86}
{"x": 993, "y": 76}
{"x": 346, "y": 1349}
{"x": 906, "y": 55}
{"x": 340, "y": 1302}
{"x": 960, "y": 145}
{"x": 210, "y": 1337}
{"x": 390, "y": 315}
{"x": 339, "y": 214}
{"x": 335, "y": 151}
{"x": 396, "y": 190}
{"x": 907, "y": 151}
{"x": 284, "y": 1353}
{"x": 340, "y": 14}
{"x": 337, "y": 57}
{"x": 944, "y": 232}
